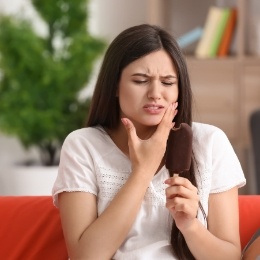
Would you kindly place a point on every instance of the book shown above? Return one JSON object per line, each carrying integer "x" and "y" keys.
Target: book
{"x": 219, "y": 31}
{"x": 190, "y": 37}
{"x": 228, "y": 34}
{"x": 212, "y": 20}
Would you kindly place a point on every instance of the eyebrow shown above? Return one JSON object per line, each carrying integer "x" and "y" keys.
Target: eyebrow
{"x": 146, "y": 75}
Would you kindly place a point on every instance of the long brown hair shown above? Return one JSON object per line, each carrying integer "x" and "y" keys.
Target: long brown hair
{"x": 130, "y": 45}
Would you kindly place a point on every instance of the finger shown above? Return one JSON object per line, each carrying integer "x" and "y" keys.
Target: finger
{"x": 169, "y": 114}
{"x": 183, "y": 205}
{"x": 181, "y": 191}
{"x": 166, "y": 123}
{"x": 181, "y": 200}
{"x": 181, "y": 208}
{"x": 130, "y": 129}
{"x": 181, "y": 181}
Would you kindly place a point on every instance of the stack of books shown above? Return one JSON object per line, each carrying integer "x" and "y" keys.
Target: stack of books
{"x": 218, "y": 33}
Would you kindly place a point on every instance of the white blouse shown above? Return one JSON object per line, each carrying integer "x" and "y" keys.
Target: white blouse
{"x": 91, "y": 162}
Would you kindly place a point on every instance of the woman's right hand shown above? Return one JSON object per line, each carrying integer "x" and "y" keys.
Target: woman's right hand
{"x": 146, "y": 155}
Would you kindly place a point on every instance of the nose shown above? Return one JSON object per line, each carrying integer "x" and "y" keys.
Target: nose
{"x": 154, "y": 91}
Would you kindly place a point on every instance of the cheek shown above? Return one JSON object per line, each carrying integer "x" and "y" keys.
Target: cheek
{"x": 173, "y": 95}
{"x": 124, "y": 102}
{"x": 125, "y": 92}
{"x": 127, "y": 98}
{"x": 128, "y": 93}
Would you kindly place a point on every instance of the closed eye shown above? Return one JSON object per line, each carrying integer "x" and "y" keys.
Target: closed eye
{"x": 140, "y": 81}
{"x": 168, "y": 83}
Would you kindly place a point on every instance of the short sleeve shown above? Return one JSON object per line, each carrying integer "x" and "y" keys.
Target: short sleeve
{"x": 226, "y": 168}
{"x": 76, "y": 169}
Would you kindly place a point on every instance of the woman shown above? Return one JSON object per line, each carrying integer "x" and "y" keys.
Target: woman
{"x": 115, "y": 195}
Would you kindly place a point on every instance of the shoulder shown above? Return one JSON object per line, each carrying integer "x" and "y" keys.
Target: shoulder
{"x": 216, "y": 158}
{"x": 208, "y": 139}
{"x": 87, "y": 132}
{"x": 86, "y": 138}
{"x": 207, "y": 133}
{"x": 201, "y": 129}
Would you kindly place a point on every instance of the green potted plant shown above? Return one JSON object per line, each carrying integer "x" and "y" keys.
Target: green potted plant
{"x": 41, "y": 77}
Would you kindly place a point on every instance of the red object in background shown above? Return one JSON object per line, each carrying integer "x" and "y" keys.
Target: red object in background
{"x": 30, "y": 229}
{"x": 249, "y": 217}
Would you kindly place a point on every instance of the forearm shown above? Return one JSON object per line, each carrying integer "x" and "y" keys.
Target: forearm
{"x": 105, "y": 235}
{"x": 204, "y": 245}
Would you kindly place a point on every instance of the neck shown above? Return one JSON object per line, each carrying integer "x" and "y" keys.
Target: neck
{"x": 120, "y": 138}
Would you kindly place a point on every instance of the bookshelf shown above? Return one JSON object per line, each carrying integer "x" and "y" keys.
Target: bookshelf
{"x": 226, "y": 89}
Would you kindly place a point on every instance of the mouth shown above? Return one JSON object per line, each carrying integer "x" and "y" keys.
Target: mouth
{"x": 153, "y": 108}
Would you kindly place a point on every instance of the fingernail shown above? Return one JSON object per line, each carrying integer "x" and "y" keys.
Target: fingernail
{"x": 124, "y": 121}
{"x": 167, "y": 181}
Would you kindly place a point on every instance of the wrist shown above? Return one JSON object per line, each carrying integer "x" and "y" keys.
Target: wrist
{"x": 192, "y": 228}
{"x": 142, "y": 176}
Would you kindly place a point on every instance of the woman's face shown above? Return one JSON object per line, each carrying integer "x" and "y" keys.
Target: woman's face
{"x": 147, "y": 87}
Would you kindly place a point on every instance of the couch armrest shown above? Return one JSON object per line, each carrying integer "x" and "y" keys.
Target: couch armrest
{"x": 30, "y": 229}
{"x": 249, "y": 217}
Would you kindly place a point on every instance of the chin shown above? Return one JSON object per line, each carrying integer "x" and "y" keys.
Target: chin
{"x": 152, "y": 123}
{"x": 147, "y": 122}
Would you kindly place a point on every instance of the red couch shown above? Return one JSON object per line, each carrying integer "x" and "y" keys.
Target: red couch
{"x": 31, "y": 229}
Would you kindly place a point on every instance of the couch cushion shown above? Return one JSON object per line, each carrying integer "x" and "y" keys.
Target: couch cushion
{"x": 30, "y": 229}
{"x": 249, "y": 217}
{"x": 252, "y": 249}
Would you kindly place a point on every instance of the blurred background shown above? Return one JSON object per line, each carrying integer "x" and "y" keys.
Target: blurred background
{"x": 106, "y": 19}
{"x": 50, "y": 53}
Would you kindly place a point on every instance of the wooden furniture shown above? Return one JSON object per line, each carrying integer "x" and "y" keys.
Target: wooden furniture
{"x": 226, "y": 90}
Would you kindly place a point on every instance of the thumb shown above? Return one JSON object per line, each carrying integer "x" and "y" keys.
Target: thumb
{"x": 130, "y": 129}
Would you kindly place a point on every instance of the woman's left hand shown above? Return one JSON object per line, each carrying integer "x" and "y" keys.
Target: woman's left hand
{"x": 182, "y": 201}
